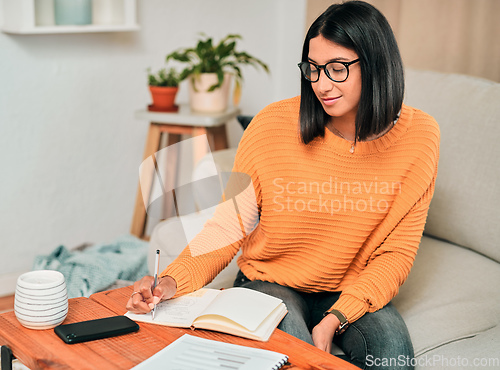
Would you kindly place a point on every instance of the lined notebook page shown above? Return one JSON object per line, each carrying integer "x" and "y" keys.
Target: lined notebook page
{"x": 193, "y": 353}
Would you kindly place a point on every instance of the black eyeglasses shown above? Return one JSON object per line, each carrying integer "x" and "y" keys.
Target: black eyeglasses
{"x": 335, "y": 71}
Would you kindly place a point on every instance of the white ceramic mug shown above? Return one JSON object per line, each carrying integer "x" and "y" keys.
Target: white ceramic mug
{"x": 41, "y": 299}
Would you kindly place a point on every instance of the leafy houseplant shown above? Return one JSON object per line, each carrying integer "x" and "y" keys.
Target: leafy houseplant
{"x": 163, "y": 86}
{"x": 210, "y": 67}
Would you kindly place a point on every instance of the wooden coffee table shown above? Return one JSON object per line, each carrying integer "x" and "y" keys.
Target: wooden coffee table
{"x": 42, "y": 349}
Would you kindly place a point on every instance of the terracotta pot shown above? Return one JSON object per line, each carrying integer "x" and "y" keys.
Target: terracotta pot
{"x": 163, "y": 97}
{"x": 202, "y": 100}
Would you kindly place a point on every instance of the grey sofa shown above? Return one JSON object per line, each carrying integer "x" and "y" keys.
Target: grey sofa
{"x": 451, "y": 299}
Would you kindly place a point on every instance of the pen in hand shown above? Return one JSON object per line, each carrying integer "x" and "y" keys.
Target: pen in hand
{"x": 157, "y": 265}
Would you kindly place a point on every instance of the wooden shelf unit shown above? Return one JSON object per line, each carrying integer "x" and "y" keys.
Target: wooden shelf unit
{"x": 19, "y": 18}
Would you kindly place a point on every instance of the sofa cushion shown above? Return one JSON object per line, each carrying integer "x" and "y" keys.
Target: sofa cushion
{"x": 450, "y": 294}
{"x": 465, "y": 206}
{"x": 479, "y": 352}
{"x": 205, "y": 192}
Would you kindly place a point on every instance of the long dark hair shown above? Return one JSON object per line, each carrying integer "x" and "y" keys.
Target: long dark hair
{"x": 358, "y": 26}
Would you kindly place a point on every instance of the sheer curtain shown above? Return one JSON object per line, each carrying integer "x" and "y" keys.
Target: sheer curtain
{"x": 457, "y": 36}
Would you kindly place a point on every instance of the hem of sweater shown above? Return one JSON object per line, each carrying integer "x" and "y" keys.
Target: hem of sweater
{"x": 182, "y": 277}
{"x": 353, "y": 308}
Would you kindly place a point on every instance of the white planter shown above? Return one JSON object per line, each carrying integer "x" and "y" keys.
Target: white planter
{"x": 44, "y": 12}
{"x": 41, "y": 299}
{"x": 209, "y": 102}
{"x": 108, "y": 12}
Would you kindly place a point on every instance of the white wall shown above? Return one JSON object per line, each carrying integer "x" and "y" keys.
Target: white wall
{"x": 69, "y": 145}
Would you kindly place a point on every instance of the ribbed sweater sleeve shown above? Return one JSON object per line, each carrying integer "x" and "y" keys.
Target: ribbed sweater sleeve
{"x": 219, "y": 241}
{"x": 388, "y": 266}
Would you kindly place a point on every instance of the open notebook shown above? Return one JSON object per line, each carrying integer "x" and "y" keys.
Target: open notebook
{"x": 194, "y": 353}
{"x": 238, "y": 311}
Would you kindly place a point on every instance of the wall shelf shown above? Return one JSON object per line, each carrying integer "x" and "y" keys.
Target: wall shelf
{"x": 19, "y": 17}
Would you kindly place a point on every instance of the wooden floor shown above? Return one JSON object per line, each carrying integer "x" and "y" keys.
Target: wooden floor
{"x": 6, "y": 303}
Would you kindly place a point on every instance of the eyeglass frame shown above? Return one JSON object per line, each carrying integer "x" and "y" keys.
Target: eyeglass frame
{"x": 323, "y": 67}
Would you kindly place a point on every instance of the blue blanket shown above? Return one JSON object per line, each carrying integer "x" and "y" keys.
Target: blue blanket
{"x": 97, "y": 267}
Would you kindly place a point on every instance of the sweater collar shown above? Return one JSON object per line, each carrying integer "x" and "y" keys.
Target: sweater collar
{"x": 378, "y": 145}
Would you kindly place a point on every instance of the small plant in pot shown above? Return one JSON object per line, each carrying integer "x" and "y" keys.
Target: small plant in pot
{"x": 164, "y": 86}
{"x": 210, "y": 67}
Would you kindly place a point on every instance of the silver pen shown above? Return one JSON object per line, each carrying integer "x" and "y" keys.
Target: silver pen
{"x": 157, "y": 266}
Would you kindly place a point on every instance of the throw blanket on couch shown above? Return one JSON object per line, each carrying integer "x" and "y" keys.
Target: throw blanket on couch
{"x": 97, "y": 267}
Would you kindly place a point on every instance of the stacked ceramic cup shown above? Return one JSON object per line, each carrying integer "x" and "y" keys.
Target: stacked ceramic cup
{"x": 41, "y": 299}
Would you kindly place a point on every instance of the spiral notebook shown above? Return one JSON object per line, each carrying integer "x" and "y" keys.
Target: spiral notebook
{"x": 194, "y": 353}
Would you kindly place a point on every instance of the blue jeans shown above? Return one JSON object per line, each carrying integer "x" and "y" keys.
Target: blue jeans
{"x": 378, "y": 340}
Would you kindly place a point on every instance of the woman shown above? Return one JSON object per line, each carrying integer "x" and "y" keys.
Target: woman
{"x": 343, "y": 176}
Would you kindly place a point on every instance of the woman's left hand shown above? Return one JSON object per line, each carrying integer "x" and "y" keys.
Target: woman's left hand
{"x": 322, "y": 334}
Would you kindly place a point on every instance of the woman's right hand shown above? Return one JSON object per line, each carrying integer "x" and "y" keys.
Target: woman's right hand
{"x": 145, "y": 296}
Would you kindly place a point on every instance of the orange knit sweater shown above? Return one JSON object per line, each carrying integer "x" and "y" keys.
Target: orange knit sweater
{"x": 330, "y": 220}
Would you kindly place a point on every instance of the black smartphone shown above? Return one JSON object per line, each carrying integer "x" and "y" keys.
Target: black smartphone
{"x": 96, "y": 329}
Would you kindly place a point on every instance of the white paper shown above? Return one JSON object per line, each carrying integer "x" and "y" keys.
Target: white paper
{"x": 246, "y": 307}
{"x": 194, "y": 353}
{"x": 180, "y": 311}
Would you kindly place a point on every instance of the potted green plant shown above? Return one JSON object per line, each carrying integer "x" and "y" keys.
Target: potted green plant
{"x": 164, "y": 86}
{"x": 210, "y": 67}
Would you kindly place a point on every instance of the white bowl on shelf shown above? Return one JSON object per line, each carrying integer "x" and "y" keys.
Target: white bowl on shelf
{"x": 41, "y": 299}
